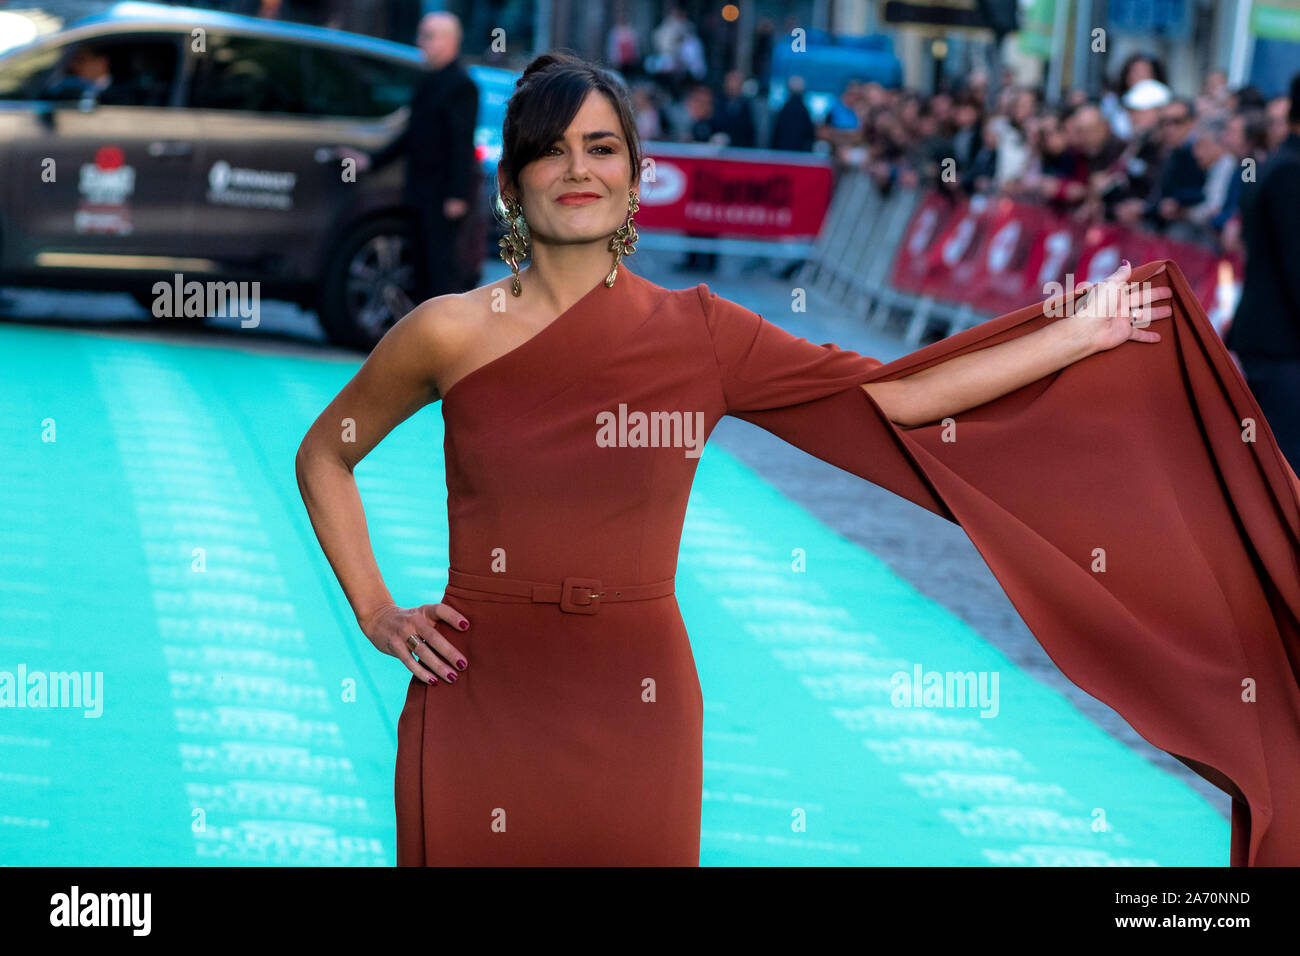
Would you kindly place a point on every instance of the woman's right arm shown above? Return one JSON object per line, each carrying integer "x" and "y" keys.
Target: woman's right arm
{"x": 398, "y": 378}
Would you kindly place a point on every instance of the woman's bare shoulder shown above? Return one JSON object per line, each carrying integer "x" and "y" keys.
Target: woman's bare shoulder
{"x": 446, "y": 314}
{"x": 445, "y": 329}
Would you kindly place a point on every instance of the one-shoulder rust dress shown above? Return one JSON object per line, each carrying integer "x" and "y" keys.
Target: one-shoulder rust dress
{"x": 574, "y": 736}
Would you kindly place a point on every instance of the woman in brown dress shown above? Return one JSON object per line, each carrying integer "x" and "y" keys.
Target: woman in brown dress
{"x": 554, "y": 713}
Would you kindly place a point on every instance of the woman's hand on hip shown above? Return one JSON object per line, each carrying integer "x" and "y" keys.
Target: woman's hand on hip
{"x": 409, "y": 635}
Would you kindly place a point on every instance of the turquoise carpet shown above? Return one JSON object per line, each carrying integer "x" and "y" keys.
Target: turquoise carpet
{"x": 220, "y": 706}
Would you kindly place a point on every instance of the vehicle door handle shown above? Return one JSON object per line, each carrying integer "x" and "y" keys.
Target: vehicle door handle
{"x": 332, "y": 154}
{"x": 163, "y": 147}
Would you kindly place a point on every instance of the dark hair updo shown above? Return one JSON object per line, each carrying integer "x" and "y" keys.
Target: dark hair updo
{"x": 546, "y": 99}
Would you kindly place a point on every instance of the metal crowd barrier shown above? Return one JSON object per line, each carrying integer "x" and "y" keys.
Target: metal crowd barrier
{"x": 853, "y": 258}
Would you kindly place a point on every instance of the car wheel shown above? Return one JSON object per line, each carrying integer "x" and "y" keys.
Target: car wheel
{"x": 369, "y": 284}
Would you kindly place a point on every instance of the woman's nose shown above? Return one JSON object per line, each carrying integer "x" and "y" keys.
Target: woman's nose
{"x": 577, "y": 162}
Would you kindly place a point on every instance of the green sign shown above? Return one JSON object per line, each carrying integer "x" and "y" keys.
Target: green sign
{"x": 1035, "y": 34}
{"x": 1277, "y": 21}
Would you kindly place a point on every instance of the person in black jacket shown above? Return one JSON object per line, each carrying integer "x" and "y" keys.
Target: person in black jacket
{"x": 1265, "y": 333}
{"x": 794, "y": 129}
{"x": 735, "y": 114}
{"x": 1181, "y": 183}
{"x": 438, "y": 145}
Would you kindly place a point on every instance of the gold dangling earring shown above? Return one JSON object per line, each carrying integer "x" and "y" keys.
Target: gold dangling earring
{"x": 623, "y": 242}
{"x": 513, "y": 245}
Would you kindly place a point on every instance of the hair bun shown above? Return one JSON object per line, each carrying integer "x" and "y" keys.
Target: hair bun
{"x": 545, "y": 61}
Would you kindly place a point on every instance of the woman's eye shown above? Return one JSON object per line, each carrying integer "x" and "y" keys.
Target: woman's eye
{"x": 557, "y": 149}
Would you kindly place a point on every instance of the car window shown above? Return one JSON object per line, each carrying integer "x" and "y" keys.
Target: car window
{"x": 117, "y": 70}
{"x": 341, "y": 83}
{"x": 250, "y": 74}
{"x": 24, "y": 73}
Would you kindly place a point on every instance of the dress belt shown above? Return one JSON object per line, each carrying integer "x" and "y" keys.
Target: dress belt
{"x": 575, "y": 594}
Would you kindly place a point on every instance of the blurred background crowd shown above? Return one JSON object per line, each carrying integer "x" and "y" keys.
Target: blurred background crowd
{"x": 1139, "y": 154}
{"x": 1134, "y": 149}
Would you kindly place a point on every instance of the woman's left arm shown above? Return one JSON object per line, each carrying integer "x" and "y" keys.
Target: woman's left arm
{"x": 1112, "y": 312}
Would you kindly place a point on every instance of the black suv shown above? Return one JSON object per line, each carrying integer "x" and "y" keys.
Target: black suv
{"x": 213, "y": 150}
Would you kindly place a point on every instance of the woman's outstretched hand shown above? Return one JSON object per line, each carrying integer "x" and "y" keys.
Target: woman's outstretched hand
{"x": 1116, "y": 310}
{"x": 392, "y": 629}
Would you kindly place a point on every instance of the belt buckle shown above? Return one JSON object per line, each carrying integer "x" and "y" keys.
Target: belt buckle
{"x": 589, "y": 587}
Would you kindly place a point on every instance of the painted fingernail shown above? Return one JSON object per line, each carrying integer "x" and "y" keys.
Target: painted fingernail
{"x": 464, "y": 624}
{"x": 1125, "y": 261}
{"x": 432, "y": 681}
{"x": 460, "y": 664}
{"x": 451, "y": 677}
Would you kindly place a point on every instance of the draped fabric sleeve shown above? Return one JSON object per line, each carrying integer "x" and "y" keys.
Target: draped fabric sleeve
{"x": 1134, "y": 506}
{"x": 761, "y": 365}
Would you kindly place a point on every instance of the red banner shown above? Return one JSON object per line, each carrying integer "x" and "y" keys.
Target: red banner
{"x": 731, "y": 192}
{"x": 998, "y": 255}
{"x": 929, "y": 219}
{"x": 1005, "y": 258}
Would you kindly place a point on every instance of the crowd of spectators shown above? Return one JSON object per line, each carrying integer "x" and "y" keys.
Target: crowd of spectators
{"x": 1139, "y": 154}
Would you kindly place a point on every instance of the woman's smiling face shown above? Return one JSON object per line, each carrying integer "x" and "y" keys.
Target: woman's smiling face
{"x": 576, "y": 191}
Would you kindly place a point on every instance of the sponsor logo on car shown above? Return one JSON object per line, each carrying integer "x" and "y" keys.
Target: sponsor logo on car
{"x": 104, "y": 186}
{"x": 260, "y": 188}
